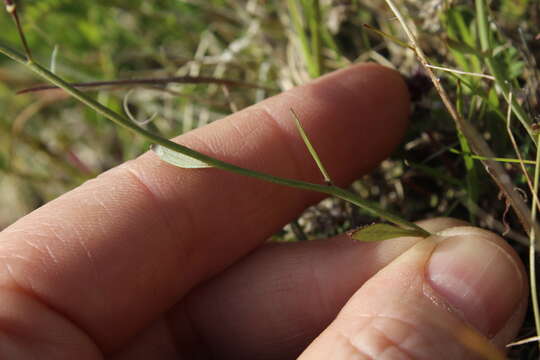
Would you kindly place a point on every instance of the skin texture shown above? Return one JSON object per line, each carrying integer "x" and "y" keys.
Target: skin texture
{"x": 152, "y": 261}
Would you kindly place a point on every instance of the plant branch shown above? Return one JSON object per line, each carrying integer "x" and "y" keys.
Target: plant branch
{"x": 152, "y": 81}
{"x": 494, "y": 169}
{"x": 126, "y": 123}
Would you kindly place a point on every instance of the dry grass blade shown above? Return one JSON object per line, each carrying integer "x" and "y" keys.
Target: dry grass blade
{"x": 494, "y": 169}
{"x": 11, "y": 8}
{"x": 455, "y": 71}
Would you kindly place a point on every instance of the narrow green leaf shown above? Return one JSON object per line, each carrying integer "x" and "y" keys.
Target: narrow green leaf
{"x": 472, "y": 180}
{"x": 380, "y": 232}
{"x": 310, "y": 147}
{"x": 178, "y": 159}
{"x": 314, "y": 11}
{"x": 298, "y": 22}
{"x": 388, "y": 36}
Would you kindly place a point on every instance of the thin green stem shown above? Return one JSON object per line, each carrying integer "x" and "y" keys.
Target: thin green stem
{"x": 11, "y": 8}
{"x": 486, "y": 47}
{"x": 483, "y": 25}
{"x": 532, "y": 246}
{"x": 298, "y": 231}
{"x": 388, "y": 36}
{"x": 311, "y": 149}
{"x": 126, "y": 123}
{"x": 499, "y": 159}
{"x": 487, "y": 50}
{"x": 298, "y": 24}
{"x": 478, "y": 144}
{"x": 152, "y": 82}
{"x": 373, "y": 209}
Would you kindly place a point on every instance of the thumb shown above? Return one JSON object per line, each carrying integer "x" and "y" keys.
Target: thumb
{"x": 460, "y": 294}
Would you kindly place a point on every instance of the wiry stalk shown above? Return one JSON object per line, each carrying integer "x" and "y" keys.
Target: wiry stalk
{"x": 123, "y": 121}
{"x": 11, "y": 8}
{"x": 532, "y": 247}
{"x": 494, "y": 169}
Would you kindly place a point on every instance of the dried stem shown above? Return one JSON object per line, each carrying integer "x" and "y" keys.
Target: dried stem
{"x": 494, "y": 169}
{"x": 11, "y": 8}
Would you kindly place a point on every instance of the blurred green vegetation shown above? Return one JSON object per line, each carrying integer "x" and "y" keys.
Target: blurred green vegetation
{"x": 50, "y": 143}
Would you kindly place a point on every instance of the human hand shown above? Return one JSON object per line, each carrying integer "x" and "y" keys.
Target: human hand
{"x": 149, "y": 261}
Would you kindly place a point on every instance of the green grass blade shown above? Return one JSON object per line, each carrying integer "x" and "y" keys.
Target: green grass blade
{"x": 310, "y": 148}
{"x": 388, "y": 36}
{"x": 498, "y": 159}
{"x": 472, "y": 174}
{"x": 532, "y": 247}
{"x": 156, "y": 139}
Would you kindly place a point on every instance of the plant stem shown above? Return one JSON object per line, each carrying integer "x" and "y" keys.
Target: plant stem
{"x": 126, "y": 123}
{"x": 532, "y": 246}
{"x": 478, "y": 144}
{"x": 11, "y": 8}
{"x": 487, "y": 51}
{"x": 307, "y": 51}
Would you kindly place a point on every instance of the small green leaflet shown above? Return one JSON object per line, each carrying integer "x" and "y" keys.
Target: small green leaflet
{"x": 380, "y": 232}
{"x": 178, "y": 159}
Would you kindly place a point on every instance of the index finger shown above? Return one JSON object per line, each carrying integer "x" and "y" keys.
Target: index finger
{"x": 123, "y": 248}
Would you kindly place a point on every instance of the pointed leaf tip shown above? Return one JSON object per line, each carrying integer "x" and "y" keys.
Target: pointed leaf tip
{"x": 380, "y": 232}
{"x": 310, "y": 148}
{"x": 178, "y": 159}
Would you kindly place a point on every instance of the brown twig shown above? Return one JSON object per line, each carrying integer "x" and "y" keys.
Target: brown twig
{"x": 11, "y": 8}
{"x": 152, "y": 81}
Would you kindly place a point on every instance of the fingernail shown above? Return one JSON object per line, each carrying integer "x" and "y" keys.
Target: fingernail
{"x": 478, "y": 278}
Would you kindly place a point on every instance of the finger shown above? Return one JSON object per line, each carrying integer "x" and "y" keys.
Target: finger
{"x": 441, "y": 299}
{"x": 275, "y": 301}
{"x": 123, "y": 248}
